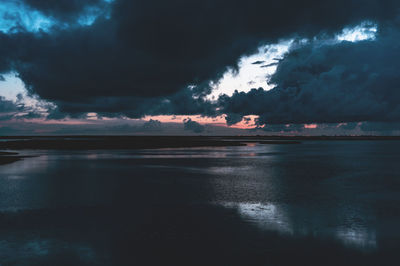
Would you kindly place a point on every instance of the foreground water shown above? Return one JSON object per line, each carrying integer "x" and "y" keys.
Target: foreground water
{"x": 316, "y": 203}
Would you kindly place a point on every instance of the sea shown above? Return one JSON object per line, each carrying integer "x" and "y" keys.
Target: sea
{"x": 314, "y": 203}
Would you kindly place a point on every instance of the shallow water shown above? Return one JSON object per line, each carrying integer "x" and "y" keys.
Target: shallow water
{"x": 316, "y": 203}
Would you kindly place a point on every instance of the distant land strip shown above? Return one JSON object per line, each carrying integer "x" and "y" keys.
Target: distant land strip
{"x": 157, "y": 142}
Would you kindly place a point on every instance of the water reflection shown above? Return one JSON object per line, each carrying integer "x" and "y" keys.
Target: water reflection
{"x": 357, "y": 237}
{"x": 288, "y": 220}
{"x": 313, "y": 190}
{"x": 27, "y": 166}
{"x": 37, "y": 249}
{"x": 267, "y": 216}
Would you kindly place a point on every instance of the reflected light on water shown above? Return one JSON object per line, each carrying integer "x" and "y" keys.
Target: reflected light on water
{"x": 15, "y": 177}
{"x": 39, "y": 248}
{"x": 272, "y": 217}
{"x": 267, "y": 216}
{"x": 359, "y": 238}
{"x": 297, "y": 190}
{"x": 226, "y": 170}
{"x": 26, "y": 166}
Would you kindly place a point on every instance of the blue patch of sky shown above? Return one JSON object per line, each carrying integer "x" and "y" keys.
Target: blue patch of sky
{"x": 15, "y": 15}
{"x": 11, "y": 86}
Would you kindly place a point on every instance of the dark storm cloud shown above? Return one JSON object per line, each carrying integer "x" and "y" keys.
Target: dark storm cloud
{"x": 7, "y": 106}
{"x": 348, "y": 126}
{"x": 17, "y": 109}
{"x": 233, "y": 119}
{"x": 190, "y": 125}
{"x": 292, "y": 128}
{"x": 66, "y": 10}
{"x": 247, "y": 120}
{"x": 7, "y": 109}
{"x": 152, "y": 125}
{"x": 181, "y": 102}
{"x": 329, "y": 83}
{"x": 141, "y": 59}
{"x": 380, "y": 127}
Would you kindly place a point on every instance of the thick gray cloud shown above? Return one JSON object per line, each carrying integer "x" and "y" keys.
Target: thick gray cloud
{"x": 18, "y": 109}
{"x": 381, "y": 127}
{"x": 190, "y": 125}
{"x": 8, "y": 109}
{"x": 292, "y": 128}
{"x": 141, "y": 59}
{"x": 328, "y": 83}
{"x": 7, "y": 106}
{"x": 152, "y": 125}
{"x": 181, "y": 102}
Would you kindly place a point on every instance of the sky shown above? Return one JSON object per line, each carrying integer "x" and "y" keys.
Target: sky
{"x": 209, "y": 67}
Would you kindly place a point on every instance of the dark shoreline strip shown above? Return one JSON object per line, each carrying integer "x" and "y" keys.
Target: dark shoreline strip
{"x": 6, "y": 153}
{"x": 10, "y": 157}
{"x": 280, "y": 142}
{"x": 116, "y": 143}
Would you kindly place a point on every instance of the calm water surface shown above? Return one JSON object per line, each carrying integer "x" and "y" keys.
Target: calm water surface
{"x": 316, "y": 203}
